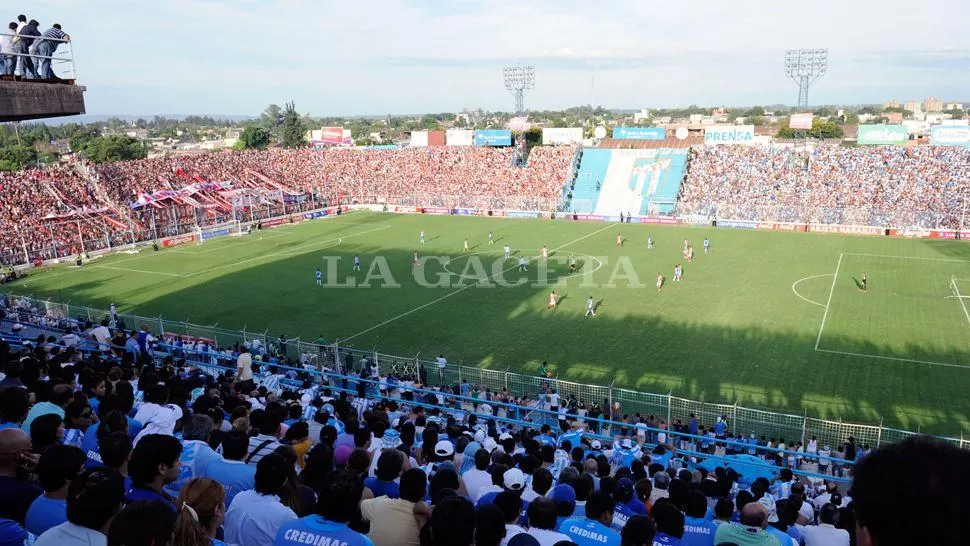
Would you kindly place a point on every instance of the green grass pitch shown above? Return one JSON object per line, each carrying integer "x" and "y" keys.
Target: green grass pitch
{"x": 768, "y": 319}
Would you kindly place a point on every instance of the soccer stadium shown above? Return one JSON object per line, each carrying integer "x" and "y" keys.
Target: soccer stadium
{"x": 679, "y": 333}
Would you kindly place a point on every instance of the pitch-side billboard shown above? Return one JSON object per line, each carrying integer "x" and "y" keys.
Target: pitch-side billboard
{"x": 562, "y": 135}
{"x": 883, "y": 135}
{"x": 800, "y": 121}
{"x": 639, "y": 133}
{"x": 332, "y": 135}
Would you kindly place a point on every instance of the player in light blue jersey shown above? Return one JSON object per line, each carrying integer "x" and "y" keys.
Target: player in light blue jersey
{"x": 319, "y": 276}
{"x": 649, "y": 242}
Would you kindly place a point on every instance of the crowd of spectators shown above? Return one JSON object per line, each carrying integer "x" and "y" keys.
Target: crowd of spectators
{"x": 123, "y": 447}
{"x": 26, "y": 52}
{"x": 55, "y": 208}
{"x": 925, "y": 187}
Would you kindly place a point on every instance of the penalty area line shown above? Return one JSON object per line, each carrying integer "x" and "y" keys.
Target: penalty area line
{"x": 956, "y": 290}
{"x": 462, "y": 289}
{"x": 896, "y": 359}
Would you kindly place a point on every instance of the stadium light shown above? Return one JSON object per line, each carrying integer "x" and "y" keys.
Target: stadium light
{"x": 805, "y": 67}
{"x": 518, "y": 80}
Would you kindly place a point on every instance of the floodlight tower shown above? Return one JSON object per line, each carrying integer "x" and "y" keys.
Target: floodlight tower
{"x": 518, "y": 80}
{"x": 805, "y": 67}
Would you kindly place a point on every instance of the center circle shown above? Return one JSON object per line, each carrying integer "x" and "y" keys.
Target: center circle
{"x": 444, "y": 265}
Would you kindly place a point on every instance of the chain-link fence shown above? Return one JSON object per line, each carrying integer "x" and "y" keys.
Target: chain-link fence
{"x": 614, "y": 401}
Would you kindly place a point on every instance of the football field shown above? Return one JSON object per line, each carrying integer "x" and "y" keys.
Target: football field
{"x": 765, "y": 319}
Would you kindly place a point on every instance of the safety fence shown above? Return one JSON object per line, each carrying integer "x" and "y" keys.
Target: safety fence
{"x": 614, "y": 401}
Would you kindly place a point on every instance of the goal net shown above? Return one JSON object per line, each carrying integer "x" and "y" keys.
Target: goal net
{"x": 224, "y": 229}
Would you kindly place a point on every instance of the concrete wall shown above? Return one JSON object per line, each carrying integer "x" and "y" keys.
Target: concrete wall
{"x": 28, "y": 100}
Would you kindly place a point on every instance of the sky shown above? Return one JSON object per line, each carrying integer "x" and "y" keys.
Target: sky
{"x": 373, "y": 57}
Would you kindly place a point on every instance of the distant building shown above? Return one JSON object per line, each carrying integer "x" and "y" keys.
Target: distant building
{"x": 642, "y": 115}
{"x": 890, "y": 104}
{"x": 954, "y": 106}
{"x": 933, "y": 104}
{"x": 913, "y": 106}
{"x": 894, "y": 117}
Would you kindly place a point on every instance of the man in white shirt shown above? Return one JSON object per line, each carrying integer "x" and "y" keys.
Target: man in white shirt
{"x": 70, "y": 339}
{"x": 442, "y": 363}
{"x": 93, "y": 499}
{"x": 825, "y": 533}
{"x": 510, "y": 503}
{"x": 8, "y": 62}
{"x": 156, "y": 414}
{"x": 244, "y": 371}
{"x": 255, "y": 516}
{"x": 477, "y": 479}
{"x": 393, "y": 520}
{"x": 102, "y": 335}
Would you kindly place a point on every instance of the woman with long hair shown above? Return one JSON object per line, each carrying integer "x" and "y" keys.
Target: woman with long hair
{"x": 202, "y": 508}
{"x": 77, "y": 418}
{"x": 46, "y": 431}
{"x": 298, "y": 497}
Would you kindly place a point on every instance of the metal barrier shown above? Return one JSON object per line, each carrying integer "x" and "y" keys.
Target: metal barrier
{"x": 63, "y": 57}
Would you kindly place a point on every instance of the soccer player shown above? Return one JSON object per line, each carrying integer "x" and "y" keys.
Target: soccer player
{"x": 649, "y": 242}
{"x": 660, "y": 281}
{"x": 414, "y": 260}
{"x": 508, "y": 251}
{"x": 590, "y": 307}
{"x": 678, "y": 273}
{"x": 319, "y": 275}
{"x": 707, "y": 245}
{"x": 690, "y": 254}
{"x": 491, "y": 241}
{"x": 422, "y": 236}
{"x": 545, "y": 253}
{"x": 465, "y": 249}
{"x": 356, "y": 262}
{"x": 619, "y": 240}
{"x": 522, "y": 266}
{"x": 572, "y": 263}
{"x": 552, "y": 300}
{"x": 864, "y": 285}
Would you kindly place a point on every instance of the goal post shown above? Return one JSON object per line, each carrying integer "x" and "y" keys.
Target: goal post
{"x": 204, "y": 233}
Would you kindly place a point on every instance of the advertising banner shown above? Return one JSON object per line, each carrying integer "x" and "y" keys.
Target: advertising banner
{"x": 846, "y": 230}
{"x": 742, "y": 224}
{"x": 217, "y": 233}
{"x": 882, "y": 135}
{"x": 800, "y": 121}
{"x": 552, "y": 136}
{"x": 493, "y": 137}
{"x": 332, "y": 135}
{"x": 781, "y": 226}
{"x": 435, "y": 210}
{"x": 656, "y": 220}
{"x": 521, "y": 214}
{"x": 419, "y": 139}
{"x": 275, "y": 222}
{"x": 436, "y": 138}
{"x": 177, "y": 240}
{"x": 729, "y": 134}
{"x": 459, "y": 137}
{"x": 639, "y": 133}
{"x": 949, "y": 135}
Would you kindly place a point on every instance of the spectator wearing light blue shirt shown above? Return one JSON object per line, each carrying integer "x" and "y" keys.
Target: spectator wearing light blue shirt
{"x": 594, "y": 529}
{"x": 698, "y": 530}
{"x": 670, "y": 524}
{"x": 196, "y": 453}
{"x": 231, "y": 471}
{"x": 61, "y": 395}
{"x": 256, "y": 516}
{"x": 55, "y": 470}
{"x": 335, "y": 511}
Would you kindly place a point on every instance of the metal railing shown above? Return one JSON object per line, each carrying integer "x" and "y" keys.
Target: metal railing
{"x": 62, "y": 58}
{"x": 614, "y": 400}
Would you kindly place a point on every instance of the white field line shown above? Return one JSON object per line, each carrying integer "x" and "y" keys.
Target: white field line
{"x": 914, "y": 361}
{"x": 285, "y": 252}
{"x": 462, "y": 289}
{"x": 905, "y": 257}
{"x": 835, "y": 277}
{"x": 138, "y": 271}
{"x": 794, "y": 284}
{"x": 956, "y": 289}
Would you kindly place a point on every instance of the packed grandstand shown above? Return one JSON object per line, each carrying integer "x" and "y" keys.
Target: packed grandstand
{"x": 241, "y": 445}
{"x": 60, "y": 211}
